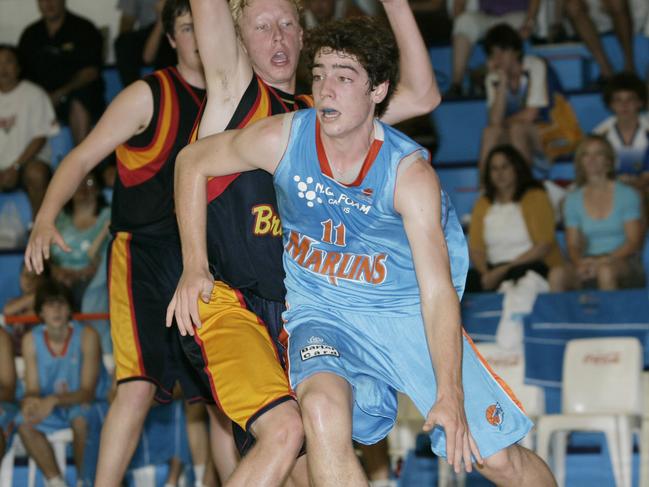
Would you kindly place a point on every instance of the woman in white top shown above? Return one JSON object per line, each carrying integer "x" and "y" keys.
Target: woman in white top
{"x": 512, "y": 224}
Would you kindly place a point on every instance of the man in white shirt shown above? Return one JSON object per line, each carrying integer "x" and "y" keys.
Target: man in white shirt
{"x": 26, "y": 120}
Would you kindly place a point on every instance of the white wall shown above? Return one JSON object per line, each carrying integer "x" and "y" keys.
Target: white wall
{"x": 15, "y": 15}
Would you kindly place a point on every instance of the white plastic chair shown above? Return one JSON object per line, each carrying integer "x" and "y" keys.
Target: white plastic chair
{"x": 510, "y": 366}
{"x": 7, "y": 467}
{"x": 602, "y": 391}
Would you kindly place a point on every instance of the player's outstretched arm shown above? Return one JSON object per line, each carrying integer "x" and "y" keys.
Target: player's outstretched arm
{"x": 225, "y": 63}
{"x": 418, "y": 201}
{"x": 258, "y": 146}
{"x": 417, "y": 92}
{"x": 127, "y": 115}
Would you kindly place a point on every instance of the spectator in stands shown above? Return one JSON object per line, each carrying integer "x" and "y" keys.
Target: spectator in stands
{"x": 62, "y": 52}
{"x": 23, "y": 304}
{"x": 627, "y": 130}
{"x": 585, "y": 14}
{"x": 26, "y": 120}
{"x": 8, "y": 407}
{"x": 140, "y": 39}
{"x": 526, "y": 107}
{"x": 603, "y": 220}
{"x": 62, "y": 366}
{"x": 512, "y": 226}
{"x": 83, "y": 224}
{"x": 470, "y": 26}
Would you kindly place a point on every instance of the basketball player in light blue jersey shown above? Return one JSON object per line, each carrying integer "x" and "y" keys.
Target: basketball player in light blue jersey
{"x": 371, "y": 249}
{"x": 63, "y": 375}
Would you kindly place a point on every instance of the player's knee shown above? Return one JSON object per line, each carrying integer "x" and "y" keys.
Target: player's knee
{"x": 281, "y": 426}
{"x": 319, "y": 409}
{"x": 506, "y": 465}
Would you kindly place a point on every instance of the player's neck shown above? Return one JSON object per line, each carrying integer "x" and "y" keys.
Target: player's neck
{"x": 194, "y": 77}
{"x": 346, "y": 153}
{"x": 287, "y": 87}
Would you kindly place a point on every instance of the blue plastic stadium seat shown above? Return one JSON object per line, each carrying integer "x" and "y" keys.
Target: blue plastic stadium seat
{"x": 18, "y": 198}
{"x": 61, "y": 144}
{"x": 461, "y": 184}
{"x": 10, "y": 264}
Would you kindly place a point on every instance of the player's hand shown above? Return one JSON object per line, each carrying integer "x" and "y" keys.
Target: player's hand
{"x": 448, "y": 413}
{"x": 38, "y": 248}
{"x": 193, "y": 284}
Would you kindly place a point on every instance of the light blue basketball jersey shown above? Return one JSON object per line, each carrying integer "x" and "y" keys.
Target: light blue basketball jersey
{"x": 62, "y": 373}
{"x": 345, "y": 245}
{"x": 353, "y": 304}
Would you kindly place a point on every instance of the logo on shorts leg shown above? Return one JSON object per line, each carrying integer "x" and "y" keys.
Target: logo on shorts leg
{"x": 317, "y": 348}
{"x": 495, "y": 415}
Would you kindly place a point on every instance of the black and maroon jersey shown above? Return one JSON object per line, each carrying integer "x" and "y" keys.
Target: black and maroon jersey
{"x": 244, "y": 232}
{"x": 143, "y": 195}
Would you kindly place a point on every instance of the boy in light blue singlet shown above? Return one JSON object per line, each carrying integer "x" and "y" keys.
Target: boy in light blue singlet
{"x": 63, "y": 376}
{"x": 375, "y": 263}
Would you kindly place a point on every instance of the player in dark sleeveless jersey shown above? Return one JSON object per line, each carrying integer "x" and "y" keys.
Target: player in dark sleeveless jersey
{"x": 249, "y": 78}
{"x": 147, "y": 124}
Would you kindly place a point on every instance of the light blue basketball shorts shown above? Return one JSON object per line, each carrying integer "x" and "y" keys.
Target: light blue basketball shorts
{"x": 381, "y": 355}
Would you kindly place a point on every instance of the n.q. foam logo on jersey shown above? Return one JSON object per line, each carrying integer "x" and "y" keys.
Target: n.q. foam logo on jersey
{"x": 306, "y": 190}
{"x": 314, "y": 192}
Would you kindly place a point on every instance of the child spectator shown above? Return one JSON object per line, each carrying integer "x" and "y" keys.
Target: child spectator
{"x": 512, "y": 225}
{"x": 62, "y": 373}
{"x": 8, "y": 407}
{"x": 526, "y": 107}
{"x": 62, "y": 53}
{"x": 627, "y": 130}
{"x": 26, "y": 120}
{"x": 603, "y": 220}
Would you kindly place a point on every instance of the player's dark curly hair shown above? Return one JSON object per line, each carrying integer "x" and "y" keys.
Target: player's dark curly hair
{"x": 171, "y": 11}
{"x": 369, "y": 40}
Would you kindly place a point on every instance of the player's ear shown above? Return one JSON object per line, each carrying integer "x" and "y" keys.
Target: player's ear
{"x": 379, "y": 92}
{"x": 171, "y": 40}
